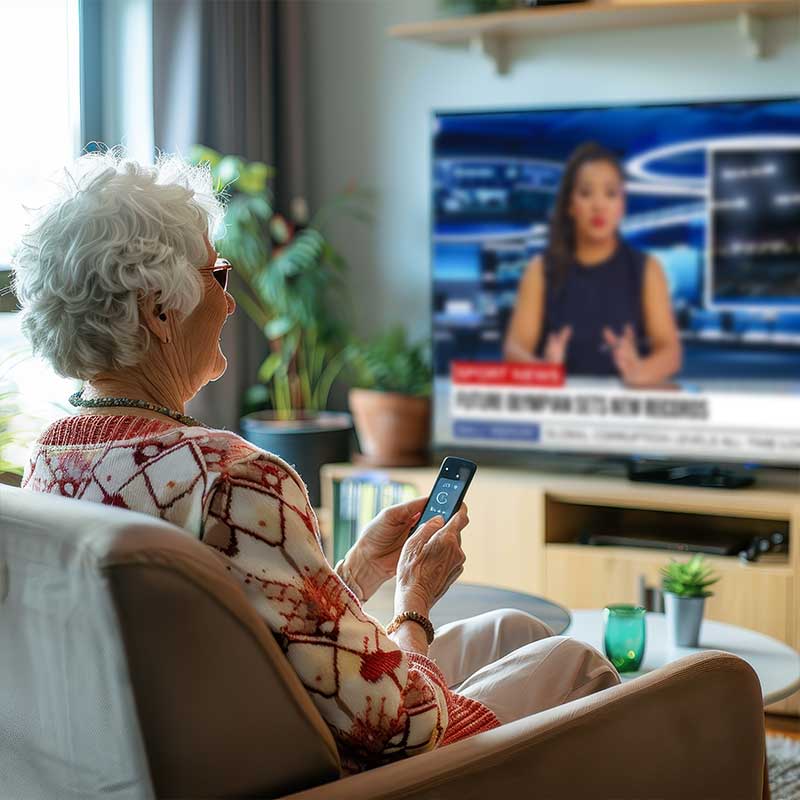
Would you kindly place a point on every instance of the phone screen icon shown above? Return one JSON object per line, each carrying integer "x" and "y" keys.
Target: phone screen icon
{"x": 443, "y": 499}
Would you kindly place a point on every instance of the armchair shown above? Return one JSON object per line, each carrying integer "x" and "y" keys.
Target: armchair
{"x": 133, "y": 666}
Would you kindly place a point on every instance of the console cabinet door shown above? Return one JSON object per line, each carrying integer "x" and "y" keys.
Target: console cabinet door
{"x": 503, "y": 542}
{"x": 758, "y": 596}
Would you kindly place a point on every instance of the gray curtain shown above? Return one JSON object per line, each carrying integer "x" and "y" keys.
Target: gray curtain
{"x": 228, "y": 74}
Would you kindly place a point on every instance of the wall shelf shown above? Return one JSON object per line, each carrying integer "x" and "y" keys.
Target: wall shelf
{"x": 491, "y": 34}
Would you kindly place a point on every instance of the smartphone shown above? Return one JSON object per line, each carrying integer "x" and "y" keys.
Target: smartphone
{"x": 449, "y": 488}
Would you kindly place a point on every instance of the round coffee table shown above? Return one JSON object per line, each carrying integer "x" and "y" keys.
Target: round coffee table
{"x": 776, "y": 664}
{"x": 464, "y": 600}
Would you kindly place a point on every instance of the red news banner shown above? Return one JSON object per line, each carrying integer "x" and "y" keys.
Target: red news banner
{"x": 507, "y": 373}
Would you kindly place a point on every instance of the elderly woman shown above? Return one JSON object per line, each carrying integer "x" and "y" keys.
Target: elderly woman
{"x": 121, "y": 287}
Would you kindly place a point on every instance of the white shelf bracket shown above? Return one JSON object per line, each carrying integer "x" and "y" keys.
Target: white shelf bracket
{"x": 752, "y": 28}
{"x": 494, "y": 48}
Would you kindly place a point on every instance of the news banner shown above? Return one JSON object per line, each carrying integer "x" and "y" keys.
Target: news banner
{"x": 534, "y": 405}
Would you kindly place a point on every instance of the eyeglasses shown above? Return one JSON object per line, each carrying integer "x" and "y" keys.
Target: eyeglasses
{"x": 220, "y": 272}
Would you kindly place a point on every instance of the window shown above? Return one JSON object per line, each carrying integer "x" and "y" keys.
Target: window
{"x": 40, "y": 94}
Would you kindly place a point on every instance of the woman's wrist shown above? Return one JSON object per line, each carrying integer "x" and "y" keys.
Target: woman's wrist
{"x": 406, "y": 600}
{"x": 515, "y": 352}
{"x": 419, "y": 619}
{"x": 344, "y": 569}
{"x": 411, "y": 636}
{"x": 358, "y": 573}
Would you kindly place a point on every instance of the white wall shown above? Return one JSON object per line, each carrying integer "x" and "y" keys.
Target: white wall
{"x": 370, "y": 100}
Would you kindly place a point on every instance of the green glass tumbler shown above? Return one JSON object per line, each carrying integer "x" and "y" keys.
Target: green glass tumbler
{"x": 624, "y": 638}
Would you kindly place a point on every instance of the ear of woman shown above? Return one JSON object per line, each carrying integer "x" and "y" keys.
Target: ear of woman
{"x": 154, "y": 319}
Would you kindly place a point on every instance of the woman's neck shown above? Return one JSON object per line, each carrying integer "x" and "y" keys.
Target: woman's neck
{"x": 591, "y": 253}
{"x": 131, "y": 387}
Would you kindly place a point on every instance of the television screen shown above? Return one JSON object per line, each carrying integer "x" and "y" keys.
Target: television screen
{"x": 619, "y": 280}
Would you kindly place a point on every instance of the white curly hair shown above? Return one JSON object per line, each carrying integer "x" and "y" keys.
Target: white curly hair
{"x": 114, "y": 231}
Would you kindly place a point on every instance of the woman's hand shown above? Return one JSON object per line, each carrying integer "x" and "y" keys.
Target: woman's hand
{"x": 626, "y": 356}
{"x": 373, "y": 558}
{"x": 430, "y": 561}
{"x": 555, "y": 349}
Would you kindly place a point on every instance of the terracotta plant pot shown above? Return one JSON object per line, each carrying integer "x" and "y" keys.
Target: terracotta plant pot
{"x": 393, "y": 429}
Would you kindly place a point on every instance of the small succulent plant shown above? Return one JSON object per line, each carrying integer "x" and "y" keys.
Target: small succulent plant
{"x": 688, "y": 579}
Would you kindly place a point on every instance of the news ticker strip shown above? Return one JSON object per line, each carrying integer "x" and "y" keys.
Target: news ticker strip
{"x": 534, "y": 404}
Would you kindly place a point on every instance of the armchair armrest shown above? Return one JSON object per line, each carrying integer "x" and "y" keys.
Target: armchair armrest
{"x": 693, "y": 729}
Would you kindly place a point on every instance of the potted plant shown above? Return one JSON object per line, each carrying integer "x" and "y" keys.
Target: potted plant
{"x": 685, "y": 587}
{"x": 284, "y": 268}
{"x": 390, "y": 399}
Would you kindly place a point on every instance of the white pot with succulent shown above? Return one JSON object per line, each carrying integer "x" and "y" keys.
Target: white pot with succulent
{"x": 685, "y": 586}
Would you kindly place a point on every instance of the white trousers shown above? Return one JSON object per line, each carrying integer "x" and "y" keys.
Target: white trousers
{"x": 515, "y": 665}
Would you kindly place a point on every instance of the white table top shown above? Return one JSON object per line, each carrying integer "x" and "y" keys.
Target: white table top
{"x": 776, "y": 664}
{"x": 464, "y": 600}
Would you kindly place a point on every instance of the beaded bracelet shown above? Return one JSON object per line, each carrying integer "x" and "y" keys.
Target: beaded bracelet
{"x": 414, "y": 617}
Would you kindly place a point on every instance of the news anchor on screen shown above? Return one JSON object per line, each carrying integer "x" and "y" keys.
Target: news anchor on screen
{"x": 591, "y": 301}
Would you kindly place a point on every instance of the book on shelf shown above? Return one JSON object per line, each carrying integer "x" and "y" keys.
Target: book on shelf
{"x": 357, "y": 500}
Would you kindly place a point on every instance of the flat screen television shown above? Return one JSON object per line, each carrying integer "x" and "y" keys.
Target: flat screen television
{"x": 712, "y": 193}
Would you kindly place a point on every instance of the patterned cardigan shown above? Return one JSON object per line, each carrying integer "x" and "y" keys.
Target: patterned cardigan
{"x": 380, "y": 702}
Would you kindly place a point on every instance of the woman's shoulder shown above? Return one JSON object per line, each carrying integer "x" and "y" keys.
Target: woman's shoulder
{"x": 639, "y": 258}
{"x": 538, "y": 262}
{"x": 230, "y": 447}
{"x": 535, "y": 270}
{"x": 244, "y": 464}
{"x": 251, "y": 479}
{"x": 210, "y": 450}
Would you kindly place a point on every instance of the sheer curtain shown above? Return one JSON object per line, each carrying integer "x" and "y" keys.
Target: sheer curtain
{"x": 39, "y": 62}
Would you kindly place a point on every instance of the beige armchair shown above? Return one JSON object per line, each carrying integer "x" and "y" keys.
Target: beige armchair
{"x": 132, "y": 666}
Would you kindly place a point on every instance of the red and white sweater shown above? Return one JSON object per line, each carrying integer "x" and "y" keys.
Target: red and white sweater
{"x": 381, "y": 703}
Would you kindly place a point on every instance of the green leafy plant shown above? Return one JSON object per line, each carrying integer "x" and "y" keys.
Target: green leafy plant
{"x": 389, "y": 363}
{"x": 11, "y": 433}
{"x": 688, "y": 579}
{"x": 284, "y": 268}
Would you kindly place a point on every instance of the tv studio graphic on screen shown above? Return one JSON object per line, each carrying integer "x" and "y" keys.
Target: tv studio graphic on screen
{"x": 710, "y": 201}
{"x": 753, "y": 228}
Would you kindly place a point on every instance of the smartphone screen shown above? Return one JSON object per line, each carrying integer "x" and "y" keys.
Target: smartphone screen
{"x": 444, "y": 496}
{"x": 448, "y": 490}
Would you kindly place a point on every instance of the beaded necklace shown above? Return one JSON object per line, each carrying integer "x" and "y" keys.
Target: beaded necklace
{"x": 76, "y": 399}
